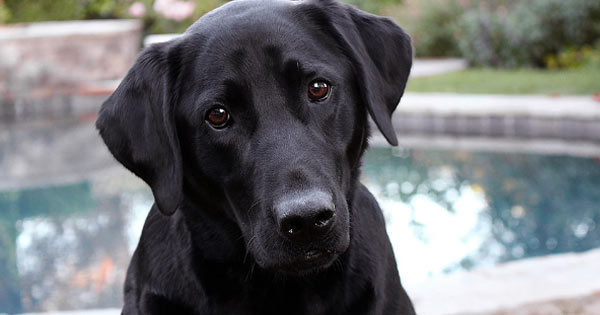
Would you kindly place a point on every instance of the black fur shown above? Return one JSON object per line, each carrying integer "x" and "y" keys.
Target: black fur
{"x": 215, "y": 241}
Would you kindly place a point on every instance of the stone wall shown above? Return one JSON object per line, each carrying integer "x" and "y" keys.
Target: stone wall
{"x": 54, "y": 69}
{"x": 499, "y": 116}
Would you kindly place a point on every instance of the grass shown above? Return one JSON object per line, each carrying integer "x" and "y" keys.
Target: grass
{"x": 523, "y": 81}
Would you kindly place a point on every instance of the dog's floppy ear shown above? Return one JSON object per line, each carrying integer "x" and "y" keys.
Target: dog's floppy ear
{"x": 137, "y": 124}
{"x": 381, "y": 53}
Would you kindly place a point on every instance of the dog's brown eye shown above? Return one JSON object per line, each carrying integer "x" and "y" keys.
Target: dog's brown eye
{"x": 217, "y": 117}
{"x": 318, "y": 90}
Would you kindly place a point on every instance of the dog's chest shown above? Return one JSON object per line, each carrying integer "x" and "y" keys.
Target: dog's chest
{"x": 250, "y": 297}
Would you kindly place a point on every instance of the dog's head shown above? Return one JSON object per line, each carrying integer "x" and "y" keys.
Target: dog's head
{"x": 259, "y": 113}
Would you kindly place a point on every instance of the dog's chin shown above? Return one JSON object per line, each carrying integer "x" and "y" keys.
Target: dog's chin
{"x": 311, "y": 262}
{"x": 302, "y": 260}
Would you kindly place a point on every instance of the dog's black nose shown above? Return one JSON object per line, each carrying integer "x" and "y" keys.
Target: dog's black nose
{"x": 307, "y": 224}
{"x": 306, "y": 216}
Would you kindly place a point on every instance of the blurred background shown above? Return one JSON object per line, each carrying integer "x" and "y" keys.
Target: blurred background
{"x": 492, "y": 199}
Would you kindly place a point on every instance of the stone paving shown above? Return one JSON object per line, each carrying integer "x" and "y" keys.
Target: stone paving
{"x": 556, "y": 284}
{"x": 428, "y": 67}
{"x": 587, "y": 305}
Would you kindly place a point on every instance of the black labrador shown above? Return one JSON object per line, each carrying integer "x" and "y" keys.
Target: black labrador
{"x": 249, "y": 129}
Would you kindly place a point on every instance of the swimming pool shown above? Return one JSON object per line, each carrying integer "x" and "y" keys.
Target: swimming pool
{"x": 66, "y": 244}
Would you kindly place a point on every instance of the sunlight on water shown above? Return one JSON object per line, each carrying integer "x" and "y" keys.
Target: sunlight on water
{"x": 432, "y": 240}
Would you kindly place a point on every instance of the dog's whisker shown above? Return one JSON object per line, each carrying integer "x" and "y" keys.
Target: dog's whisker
{"x": 250, "y": 272}
{"x": 254, "y": 205}
{"x": 252, "y": 239}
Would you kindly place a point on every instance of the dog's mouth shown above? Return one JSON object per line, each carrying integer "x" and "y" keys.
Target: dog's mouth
{"x": 309, "y": 262}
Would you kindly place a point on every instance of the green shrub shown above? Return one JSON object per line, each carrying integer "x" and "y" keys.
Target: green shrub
{"x": 4, "y": 13}
{"x": 483, "y": 37}
{"x": 527, "y": 32}
{"x": 44, "y": 10}
{"x": 434, "y": 30}
{"x": 17, "y": 11}
{"x": 573, "y": 57}
{"x": 20, "y": 11}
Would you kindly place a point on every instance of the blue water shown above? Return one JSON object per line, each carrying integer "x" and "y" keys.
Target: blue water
{"x": 466, "y": 209}
{"x": 67, "y": 246}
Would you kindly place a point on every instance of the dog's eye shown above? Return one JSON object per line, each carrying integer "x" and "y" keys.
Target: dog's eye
{"x": 217, "y": 117}
{"x": 318, "y": 90}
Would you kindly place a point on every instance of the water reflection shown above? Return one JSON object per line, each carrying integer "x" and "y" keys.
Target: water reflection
{"x": 480, "y": 208}
{"x": 67, "y": 246}
{"x": 70, "y": 244}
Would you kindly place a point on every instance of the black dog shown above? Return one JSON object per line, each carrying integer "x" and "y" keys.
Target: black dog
{"x": 250, "y": 129}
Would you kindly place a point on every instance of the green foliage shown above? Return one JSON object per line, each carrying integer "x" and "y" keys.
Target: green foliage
{"x": 44, "y": 10}
{"x": 60, "y": 10}
{"x": 525, "y": 33}
{"x": 433, "y": 24}
{"x": 573, "y": 57}
{"x": 4, "y": 13}
{"x": 157, "y": 24}
{"x": 483, "y": 39}
{"x": 499, "y": 33}
{"x": 16, "y": 11}
{"x": 433, "y": 31}
{"x": 104, "y": 9}
{"x": 373, "y": 6}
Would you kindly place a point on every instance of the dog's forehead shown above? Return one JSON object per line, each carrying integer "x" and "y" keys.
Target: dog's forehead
{"x": 240, "y": 15}
{"x": 250, "y": 37}
{"x": 256, "y": 28}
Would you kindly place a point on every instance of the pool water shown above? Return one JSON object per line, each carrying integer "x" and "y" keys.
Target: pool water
{"x": 450, "y": 211}
{"x": 67, "y": 246}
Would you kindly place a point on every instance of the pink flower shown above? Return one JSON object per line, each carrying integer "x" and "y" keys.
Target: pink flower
{"x": 137, "y": 9}
{"x": 174, "y": 9}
